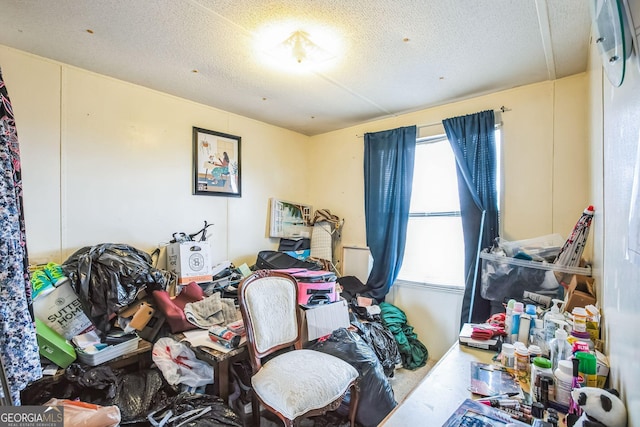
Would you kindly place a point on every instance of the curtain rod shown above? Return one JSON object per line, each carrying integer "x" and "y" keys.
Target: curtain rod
{"x": 499, "y": 110}
{"x": 502, "y": 109}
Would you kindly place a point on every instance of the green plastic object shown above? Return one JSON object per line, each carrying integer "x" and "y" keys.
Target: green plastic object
{"x": 587, "y": 369}
{"x": 53, "y": 346}
{"x": 542, "y": 362}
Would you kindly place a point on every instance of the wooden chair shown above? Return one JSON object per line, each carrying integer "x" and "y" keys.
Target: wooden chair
{"x": 293, "y": 383}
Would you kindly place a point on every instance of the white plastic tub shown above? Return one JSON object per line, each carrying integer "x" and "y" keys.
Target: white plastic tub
{"x": 108, "y": 353}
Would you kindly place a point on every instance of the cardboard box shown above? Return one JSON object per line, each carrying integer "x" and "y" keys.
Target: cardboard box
{"x": 53, "y": 346}
{"x": 191, "y": 261}
{"x": 602, "y": 369}
{"x": 61, "y": 310}
{"x": 579, "y": 293}
{"x": 324, "y": 319}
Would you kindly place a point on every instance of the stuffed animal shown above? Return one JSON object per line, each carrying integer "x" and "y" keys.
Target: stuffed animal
{"x": 600, "y": 408}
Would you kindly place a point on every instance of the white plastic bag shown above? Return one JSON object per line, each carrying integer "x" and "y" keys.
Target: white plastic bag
{"x": 179, "y": 365}
{"x": 82, "y": 414}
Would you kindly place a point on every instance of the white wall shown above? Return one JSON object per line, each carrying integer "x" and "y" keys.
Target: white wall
{"x": 545, "y": 181}
{"x": 108, "y": 161}
{"x": 615, "y": 140}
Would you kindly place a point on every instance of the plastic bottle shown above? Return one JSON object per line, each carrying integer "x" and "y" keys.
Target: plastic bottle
{"x": 508, "y": 356}
{"x": 508, "y": 319}
{"x": 553, "y": 314}
{"x": 579, "y": 319}
{"x": 524, "y": 328}
{"x": 534, "y": 351}
{"x": 541, "y": 367}
{"x": 530, "y": 309}
{"x": 559, "y": 348}
{"x": 518, "y": 309}
{"x": 587, "y": 369}
{"x": 563, "y": 378}
{"x": 522, "y": 358}
{"x": 538, "y": 337}
{"x": 581, "y": 337}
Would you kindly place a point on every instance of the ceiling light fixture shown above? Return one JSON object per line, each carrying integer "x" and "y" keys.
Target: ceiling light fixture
{"x": 297, "y": 47}
{"x": 302, "y": 49}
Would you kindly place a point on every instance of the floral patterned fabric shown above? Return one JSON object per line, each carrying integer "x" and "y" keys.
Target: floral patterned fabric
{"x": 18, "y": 343}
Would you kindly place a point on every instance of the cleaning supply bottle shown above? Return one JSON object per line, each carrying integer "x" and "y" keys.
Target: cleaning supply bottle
{"x": 587, "y": 368}
{"x": 552, "y": 314}
{"x": 559, "y": 348}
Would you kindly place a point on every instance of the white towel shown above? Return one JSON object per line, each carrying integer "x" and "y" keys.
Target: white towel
{"x": 210, "y": 311}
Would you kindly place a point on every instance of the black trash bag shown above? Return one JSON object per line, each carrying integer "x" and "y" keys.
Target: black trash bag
{"x": 197, "y": 410}
{"x": 351, "y": 287}
{"x": 98, "y": 378}
{"x": 140, "y": 393}
{"x": 376, "y": 395}
{"x": 383, "y": 343}
{"x": 107, "y": 277}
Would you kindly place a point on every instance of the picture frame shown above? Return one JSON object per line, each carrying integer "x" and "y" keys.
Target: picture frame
{"x": 290, "y": 220}
{"x": 216, "y": 163}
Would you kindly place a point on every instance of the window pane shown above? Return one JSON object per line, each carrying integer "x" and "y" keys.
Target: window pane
{"x": 435, "y": 184}
{"x": 434, "y": 252}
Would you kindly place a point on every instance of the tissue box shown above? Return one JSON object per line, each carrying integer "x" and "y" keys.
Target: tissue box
{"x": 191, "y": 261}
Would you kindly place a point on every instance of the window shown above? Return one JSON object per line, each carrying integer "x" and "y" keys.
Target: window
{"x": 434, "y": 251}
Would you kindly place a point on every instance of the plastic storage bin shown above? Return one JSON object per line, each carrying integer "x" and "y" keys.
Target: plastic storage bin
{"x": 505, "y": 277}
{"x": 108, "y": 353}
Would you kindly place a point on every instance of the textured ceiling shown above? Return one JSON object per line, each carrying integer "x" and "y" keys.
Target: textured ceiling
{"x": 393, "y": 56}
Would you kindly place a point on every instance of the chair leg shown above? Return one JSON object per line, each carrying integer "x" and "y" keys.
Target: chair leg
{"x": 255, "y": 409}
{"x": 353, "y": 403}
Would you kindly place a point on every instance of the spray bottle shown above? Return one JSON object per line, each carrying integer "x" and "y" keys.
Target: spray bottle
{"x": 553, "y": 314}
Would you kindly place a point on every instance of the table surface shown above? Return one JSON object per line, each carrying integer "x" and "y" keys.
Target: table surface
{"x": 440, "y": 393}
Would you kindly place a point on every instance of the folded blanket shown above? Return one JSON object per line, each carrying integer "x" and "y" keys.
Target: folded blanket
{"x": 210, "y": 311}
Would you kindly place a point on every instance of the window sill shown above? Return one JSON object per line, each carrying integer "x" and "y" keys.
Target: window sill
{"x": 456, "y": 289}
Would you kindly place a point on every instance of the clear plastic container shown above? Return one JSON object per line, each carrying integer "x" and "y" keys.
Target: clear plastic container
{"x": 504, "y": 277}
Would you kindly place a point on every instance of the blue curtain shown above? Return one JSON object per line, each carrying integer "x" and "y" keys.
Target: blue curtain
{"x": 388, "y": 176}
{"x": 472, "y": 138}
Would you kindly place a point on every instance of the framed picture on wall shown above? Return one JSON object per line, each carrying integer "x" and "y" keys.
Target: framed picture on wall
{"x": 216, "y": 163}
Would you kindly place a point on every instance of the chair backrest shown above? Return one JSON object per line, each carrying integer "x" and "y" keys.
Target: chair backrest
{"x": 269, "y": 306}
